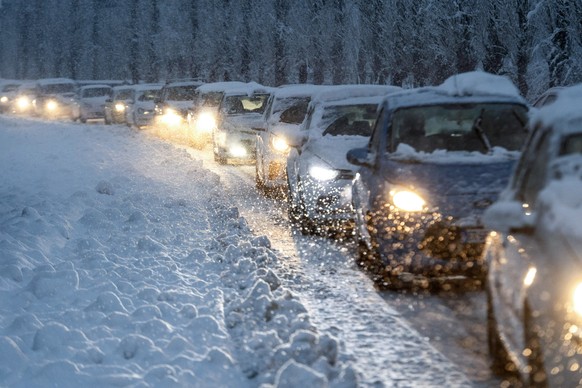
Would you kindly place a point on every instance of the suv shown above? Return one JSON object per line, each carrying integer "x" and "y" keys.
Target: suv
{"x": 437, "y": 158}
{"x": 171, "y": 108}
{"x": 240, "y": 111}
{"x": 286, "y": 109}
{"x": 56, "y": 98}
{"x": 116, "y": 105}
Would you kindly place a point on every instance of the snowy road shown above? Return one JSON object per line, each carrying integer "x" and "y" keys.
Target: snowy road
{"x": 453, "y": 323}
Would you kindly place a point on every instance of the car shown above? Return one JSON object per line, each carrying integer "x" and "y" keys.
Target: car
{"x": 202, "y": 115}
{"x": 92, "y": 101}
{"x": 285, "y": 111}
{"x": 115, "y": 105}
{"x": 141, "y": 105}
{"x": 534, "y": 253}
{"x": 171, "y": 108}
{"x": 547, "y": 97}
{"x": 56, "y": 98}
{"x": 25, "y": 95}
{"x": 437, "y": 158}
{"x": 240, "y": 110}
{"x": 8, "y": 91}
{"x": 318, "y": 174}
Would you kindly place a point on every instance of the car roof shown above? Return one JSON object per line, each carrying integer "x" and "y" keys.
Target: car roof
{"x": 297, "y": 90}
{"x": 51, "y": 81}
{"x": 563, "y": 113}
{"x": 220, "y": 86}
{"x": 341, "y": 92}
{"x": 95, "y": 86}
{"x": 248, "y": 89}
{"x": 183, "y": 83}
{"x": 154, "y": 86}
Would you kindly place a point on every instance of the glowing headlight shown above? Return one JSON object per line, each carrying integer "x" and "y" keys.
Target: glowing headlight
{"x": 407, "y": 200}
{"x": 119, "y": 107}
{"x": 206, "y": 122}
{"x": 172, "y": 118}
{"x": 23, "y": 102}
{"x": 238, "y": 151}
{"x": 279, "y": 144}
{"x": 321, "y": 173}
{"x": 51, "y": 105}
{"x": 577, "y": 299}
{"x": 4, "y": 99}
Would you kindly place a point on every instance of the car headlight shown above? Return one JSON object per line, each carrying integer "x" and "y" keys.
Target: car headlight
{"x": 205, "y": 122}
{"x": 577, "y": 299}
{"x": 407, "y": 200}
{"x": 23, "y": 102}
{"x": 172, "y": 117}
{"x": 119, "y": 107}
{"x": 321, "y": 173}
{"x": 51, "y": 105}
{"x": 4, "y": 99}
{"x": 279, "y": 144}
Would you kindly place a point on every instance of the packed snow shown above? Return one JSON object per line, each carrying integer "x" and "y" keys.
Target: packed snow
{"x": 122, "y": 263}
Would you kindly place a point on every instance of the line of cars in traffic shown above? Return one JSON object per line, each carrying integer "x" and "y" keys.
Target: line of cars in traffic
{"x": 461, "y": 181}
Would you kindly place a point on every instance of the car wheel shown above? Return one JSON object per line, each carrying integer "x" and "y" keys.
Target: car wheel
{"x": 500, "y": 361}
{"x": 296, "y": 211}
{"x": 537, "y": 373}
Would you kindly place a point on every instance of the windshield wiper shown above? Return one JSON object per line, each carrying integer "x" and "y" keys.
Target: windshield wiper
{"x": 480, "y": 132}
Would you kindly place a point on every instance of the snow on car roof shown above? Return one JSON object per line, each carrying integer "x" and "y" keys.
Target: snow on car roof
{"x": 296, "y": 90}
{"x": 248, "y": 89}
{"x": 220, "y": 86}
{"x": 340, "y": 92}
{"x": 564, "y": 110}
{"x": 51, "y": 81}
{"x": 147, "y": 86}
{"x": 94, "y": 86}
{"x": 478, "y": 82}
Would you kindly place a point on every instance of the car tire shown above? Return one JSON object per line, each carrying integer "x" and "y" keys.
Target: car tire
{"x": 500, "y": 361}
{"x": 297, "y": 213}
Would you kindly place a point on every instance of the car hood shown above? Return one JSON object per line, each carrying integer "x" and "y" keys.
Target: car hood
{"x": 457, "y": 189}
{"x": 243, "y": 122}
{"x": 333, "y": 149}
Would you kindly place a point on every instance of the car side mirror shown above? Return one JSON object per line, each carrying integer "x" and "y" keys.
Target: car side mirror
{"x": 509, "y": 217}
{"x": 297, "y": 140}
{"x": 360, "y": 157}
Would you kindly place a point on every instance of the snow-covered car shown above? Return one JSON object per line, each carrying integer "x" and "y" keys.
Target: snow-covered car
{"x": 116, "y": 105}
{"x": 25, "y": 95}
{"x": 56, "y": 98}
{"x": 318, "y": 174}
{"x": 285, "y": 111}
{"x": 241, "y": 110}
{"x": 171, "y": 108}
{"x": 140, "y": 108}
{"x": 203, "y": 113}
{"x": 438, "y": 157}
{"x": 547, "y": 97}
{"x": 534, "y": 253}
{"x": 92, "y": 101}
{"x": 8, "y": 92}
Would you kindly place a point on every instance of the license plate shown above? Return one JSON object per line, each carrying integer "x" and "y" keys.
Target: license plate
{"x": 474, "y": 235}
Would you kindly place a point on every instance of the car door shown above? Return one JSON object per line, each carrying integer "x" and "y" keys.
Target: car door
{"x": 511, "y": 258}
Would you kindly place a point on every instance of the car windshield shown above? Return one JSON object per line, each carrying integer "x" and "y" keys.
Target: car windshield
{"x": 211, "y": 99}
{"x": 149, "y": 95}
{"x": 59, "y": 88}
{"x": 348, "y": 120}
{"x": 96, "y": 92}
{"x": 293, "y": 109}
{"x": 10, "y": 87}
{"x": 181, "y": 93}
{"x": 245, "y": 104}
{"x": 123, "y": 94}
{"x": 461, "y": 127}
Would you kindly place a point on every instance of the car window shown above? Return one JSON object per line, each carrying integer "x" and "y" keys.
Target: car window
{"x": 124, "y": 94}
{"x": 295, "y": 113}
{"x": 181, "y": 93}
{"x": 348, "y": 120}
{"x": 308, "y": 120}
{"x": 535, "y": 170}
{"x": 377, "y": 130}
{"x": 461, "y": 127}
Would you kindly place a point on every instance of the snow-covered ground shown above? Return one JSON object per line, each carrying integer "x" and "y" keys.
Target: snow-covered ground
{"x": 123, "y": 263}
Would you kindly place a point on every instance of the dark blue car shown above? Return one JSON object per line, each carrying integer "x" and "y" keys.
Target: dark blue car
{"x": 438, "y": 157}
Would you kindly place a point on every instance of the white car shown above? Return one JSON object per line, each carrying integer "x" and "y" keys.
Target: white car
{"x": 171, "y": 109}
{"x": 92, "y": 100}
{"x": 203, "y": 113}
{"x": 240, "y": 111}
{"x": 116, "y": 105}
{"x": 283, "y": 116}
{"x": 56, "y": 98}
{"x": 319, "y": 175}
{"x": 140, "y": 107}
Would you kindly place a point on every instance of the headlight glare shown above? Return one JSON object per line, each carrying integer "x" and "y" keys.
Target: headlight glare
{"x": 407, "y": 200}
{"x": 577, "y": 299}
{"x": 4, "y": 99}
{"x": 206, "y": 122}
{"x": 322, "y": 173}
{"x": 119, "y": 107}
{"x": 51, "y": 105}
{"x": 279, "y": 144}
